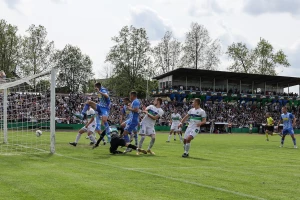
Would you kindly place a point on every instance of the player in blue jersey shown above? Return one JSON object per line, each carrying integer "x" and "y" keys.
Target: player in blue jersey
{"x": 102, "y": 108}
{"x": 133, "y": 121}
{"x": 126, "y": 114}
{"x": 289, "y": 122}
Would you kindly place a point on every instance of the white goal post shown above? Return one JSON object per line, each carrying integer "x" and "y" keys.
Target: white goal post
{"x": 26, "y": 106}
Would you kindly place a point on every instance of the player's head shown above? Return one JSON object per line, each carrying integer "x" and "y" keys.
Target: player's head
{"x": 196, "y": 102}
{"x": 157, "y": 101}
{"x": 2, "y": 74}
{"x": 126, "y": 101}
{"x": 267, "y": 115}
{"x": 133, "y": 95}
{"x": 284, "y": 109}
{"x": 98, "y": 85}
{"x": 175, "y": 111}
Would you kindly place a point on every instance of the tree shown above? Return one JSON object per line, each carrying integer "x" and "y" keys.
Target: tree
{"x": 261, "y": 60}
{"x": 267, "y": 60}
{"x": 9, "y": 48}
{"x": 200, "y": 52}
{"x": 36, "y": 53}
{"x": 166, "y": 53}
{"x": 130, "y": 57}
{"x": 243, "y": 58}
{"x": 74, "y": 69}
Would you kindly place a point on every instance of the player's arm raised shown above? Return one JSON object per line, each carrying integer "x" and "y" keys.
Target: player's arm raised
{"x": 183, "y": 120}
{"x": 105, "y": 94}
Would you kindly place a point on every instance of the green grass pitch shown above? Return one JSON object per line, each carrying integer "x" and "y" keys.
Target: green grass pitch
{"x": 239, "y": 166}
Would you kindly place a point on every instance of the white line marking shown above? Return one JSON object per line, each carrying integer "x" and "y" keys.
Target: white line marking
{"x": 161, "y": 176}
{"x": 168, "y": 177}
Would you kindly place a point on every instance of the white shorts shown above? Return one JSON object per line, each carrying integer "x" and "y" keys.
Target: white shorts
{"x": 90, "y": 128}
{"x": 175, "y": 127}
{"x": 193, "y": 131}
{"x": 147, "y": 130}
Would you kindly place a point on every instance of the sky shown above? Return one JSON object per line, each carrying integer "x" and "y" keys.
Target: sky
{"x": 90, "y": 24}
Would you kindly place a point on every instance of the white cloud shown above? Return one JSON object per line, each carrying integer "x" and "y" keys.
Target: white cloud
{"x": 272, "y": 6}
{"x": 145, "y": 17}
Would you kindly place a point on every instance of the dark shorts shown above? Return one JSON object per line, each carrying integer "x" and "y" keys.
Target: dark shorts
{"x": 115, "y": 143}
{"x": 270, "y": 128}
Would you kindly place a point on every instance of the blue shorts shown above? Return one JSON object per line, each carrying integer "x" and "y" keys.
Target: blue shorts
{"x": 131, "y": 128}
{"x": 102, "y": 111}
{"x": 288, "y": 131}
{"x": 135, "y": 130}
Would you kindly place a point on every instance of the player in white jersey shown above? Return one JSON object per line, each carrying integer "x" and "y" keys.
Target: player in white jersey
{"x": 175, "y": 117}
{"x": 153, "y": 113}
{"x": 197, "y": 119}
{"x": 89, "y": 127}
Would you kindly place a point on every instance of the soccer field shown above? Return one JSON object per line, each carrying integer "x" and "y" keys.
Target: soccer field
{"x": 219, "y": 167}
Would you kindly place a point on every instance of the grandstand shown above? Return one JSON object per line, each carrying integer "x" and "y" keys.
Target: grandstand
{"x": 183, "y": 81}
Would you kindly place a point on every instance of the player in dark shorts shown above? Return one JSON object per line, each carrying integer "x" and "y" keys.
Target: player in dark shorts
{"x": 119, "y": 141}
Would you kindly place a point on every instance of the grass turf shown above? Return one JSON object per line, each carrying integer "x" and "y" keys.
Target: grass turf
{"x": 220, "y": 167}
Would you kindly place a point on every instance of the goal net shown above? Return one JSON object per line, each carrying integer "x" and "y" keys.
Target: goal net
{"x": 27, "y": 114}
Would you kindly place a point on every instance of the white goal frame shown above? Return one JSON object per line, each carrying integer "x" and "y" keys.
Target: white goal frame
{"x": 6, "y": 86}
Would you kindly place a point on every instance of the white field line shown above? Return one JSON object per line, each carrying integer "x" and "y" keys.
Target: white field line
{"x": 161, "y": 176}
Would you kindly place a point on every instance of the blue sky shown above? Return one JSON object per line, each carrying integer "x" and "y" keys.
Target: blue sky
{"x": 90, "y": 24}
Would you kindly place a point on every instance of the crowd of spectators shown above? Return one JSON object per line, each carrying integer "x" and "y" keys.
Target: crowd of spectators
{"x": 34, "y": 107}
{"x": 234, "y": 91}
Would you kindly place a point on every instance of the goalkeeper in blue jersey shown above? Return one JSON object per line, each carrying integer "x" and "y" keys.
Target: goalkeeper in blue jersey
{"x": 289, "y": 122}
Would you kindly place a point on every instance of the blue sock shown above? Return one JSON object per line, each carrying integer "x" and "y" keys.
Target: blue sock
{"x": 107, "y": 128}
{"x": 86, "y": 107}
{"x": 136, "y": 139}
{"x": 294, "y": 140}
{"x": 108, "y": 138}
{"x": 126, "y": 138}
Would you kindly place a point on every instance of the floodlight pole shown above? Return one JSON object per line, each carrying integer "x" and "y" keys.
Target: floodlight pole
{"x": 252, "y": 87}
{"x": 265, "y": 88}
{"x": 288, "y": 90}
{"x": 201, "y": 87}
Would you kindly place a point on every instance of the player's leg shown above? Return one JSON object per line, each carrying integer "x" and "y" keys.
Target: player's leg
{"x": 152, "y": 135}
{"x": 85, "y": 108}
{"x": 92, "y": 137}
{"x": 267, "y": 133}
{"x": 292, "y": 134}
{"x": 105, "y": 114}
{"x": 180, "y": 134}
{"x": 174, "y": 135}
{"x": 80, "y": 132}
{"x": 143, "y": 135}
{"x": 100, "y": 139}
{"x": 187, "y": 146}
{"x": 170, "y": 135}
{"x": 284, "y": 133}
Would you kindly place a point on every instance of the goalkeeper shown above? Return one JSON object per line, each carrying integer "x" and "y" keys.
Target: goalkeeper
{"x": 116, "y": 141}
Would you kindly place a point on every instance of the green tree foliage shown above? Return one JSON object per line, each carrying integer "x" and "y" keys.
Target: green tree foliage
{"x": 9, "y": 48}
{"x": 261, "y": 60}
{"x": 130, "y": 57}
{"x": 36, "y": 53}
{"x": 199, "y": 50}
{"x": 74, "y": 69}
{"x": 166, "y": 54}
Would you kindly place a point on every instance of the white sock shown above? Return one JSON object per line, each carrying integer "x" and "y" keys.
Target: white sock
{"x": 141, "y": 141}
{"x": 92, "y": 138}
{"x": 187, "y": 148}
{"x": 180, "y": 137}
{"x": 77, "y": 138}
{"x": 169, "y": 137}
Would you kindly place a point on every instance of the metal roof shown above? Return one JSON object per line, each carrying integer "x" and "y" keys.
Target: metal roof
{"x": 283, "y": 81}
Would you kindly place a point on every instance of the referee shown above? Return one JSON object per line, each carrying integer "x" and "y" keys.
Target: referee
{"x": 269, "y": 126}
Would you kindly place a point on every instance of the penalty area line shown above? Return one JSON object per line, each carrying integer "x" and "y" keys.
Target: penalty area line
{"x": 168, "y": 177}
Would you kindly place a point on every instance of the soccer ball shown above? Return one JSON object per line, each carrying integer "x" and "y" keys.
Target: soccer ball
{"x": 38, "y": 133}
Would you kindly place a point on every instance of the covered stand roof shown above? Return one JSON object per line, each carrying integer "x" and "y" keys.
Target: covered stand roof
{"x": 282, "y": 81}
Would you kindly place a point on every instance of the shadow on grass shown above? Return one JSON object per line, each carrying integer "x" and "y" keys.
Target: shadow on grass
{"x": 195, "y": 158}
